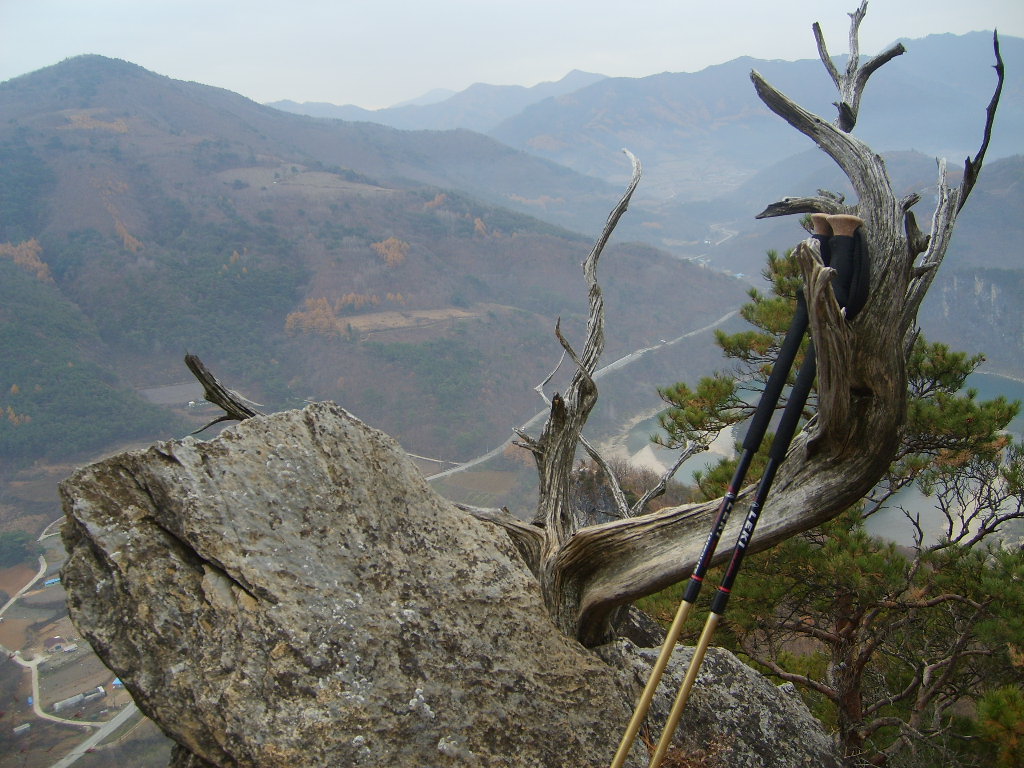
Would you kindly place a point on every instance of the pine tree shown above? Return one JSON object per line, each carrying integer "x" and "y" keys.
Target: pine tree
{"x": 890, "y": 645}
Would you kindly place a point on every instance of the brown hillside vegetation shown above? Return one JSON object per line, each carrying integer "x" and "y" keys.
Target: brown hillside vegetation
{"x": 304, "y": 260}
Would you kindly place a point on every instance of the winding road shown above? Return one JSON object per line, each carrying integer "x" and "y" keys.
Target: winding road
{"x": 104, "y": 728}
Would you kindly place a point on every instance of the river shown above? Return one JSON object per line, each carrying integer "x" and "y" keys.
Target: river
{"x": 889, "y": 522}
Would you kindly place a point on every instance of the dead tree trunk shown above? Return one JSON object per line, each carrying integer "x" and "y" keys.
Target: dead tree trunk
{"x": 588, "y": 573}
{"x": 555, "y": 450}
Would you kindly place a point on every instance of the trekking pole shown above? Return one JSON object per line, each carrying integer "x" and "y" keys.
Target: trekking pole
{"x": 755, "y": 434}
{"x": 848, "y": 254}
{"x": 780, "y": 444}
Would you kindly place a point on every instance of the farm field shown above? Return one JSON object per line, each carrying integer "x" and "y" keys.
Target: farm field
{"x": 44, "y": 662}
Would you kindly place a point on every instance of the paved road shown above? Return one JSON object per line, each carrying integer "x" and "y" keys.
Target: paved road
{"x": 622, "y": 362}
{"x": 105, "y": 730}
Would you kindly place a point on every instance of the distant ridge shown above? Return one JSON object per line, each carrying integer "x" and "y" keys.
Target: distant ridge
{"x": 480, "y": 107}
{"x": 703, "y": 134}
{"x": 430, "y": 97}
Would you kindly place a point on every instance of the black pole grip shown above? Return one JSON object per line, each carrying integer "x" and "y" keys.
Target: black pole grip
{"x": 849, "y": 258}
{"x": 825, "y": 248}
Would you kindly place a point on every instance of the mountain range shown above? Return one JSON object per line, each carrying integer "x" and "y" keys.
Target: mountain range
{"x": 315, "y": 258}
{"x": 714, "y": 156}
{"x": 704, "y": 133}
{"x": 480, "y": 108}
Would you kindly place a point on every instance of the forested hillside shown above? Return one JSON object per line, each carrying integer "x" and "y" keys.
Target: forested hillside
{"x": 301, "y": 259}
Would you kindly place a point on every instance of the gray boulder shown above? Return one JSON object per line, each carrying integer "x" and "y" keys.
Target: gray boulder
{"x": 293, "y": 593}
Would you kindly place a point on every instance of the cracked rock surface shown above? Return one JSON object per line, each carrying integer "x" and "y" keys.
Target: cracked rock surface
{"x": 293, "y": 593}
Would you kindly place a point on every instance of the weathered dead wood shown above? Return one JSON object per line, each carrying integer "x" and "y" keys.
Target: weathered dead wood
{"x": 554, "y": 451}
{"x": 235, "y": 406}
{"x": 823, "y": 202}
{"x": 587, "y": 575}
{"x": 951, "y": 202}
{"x": 851, "y": 83}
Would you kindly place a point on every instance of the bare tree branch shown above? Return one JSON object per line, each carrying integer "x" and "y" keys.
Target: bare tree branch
{"x": 621, "y": 505}
{"x": 951, "y": 201}
{"x": 972, "y": 167}
{"x": 862, "y": 166}
{"x": 830, "y": 67}
{"x": 555, "y": 449}
{"x": 791, "y": 677}
{"x": 540, "y": 387}
{"x": 236, "y": 406}
{"x": 788, "y": 206}
{"x": 851, "y": 84}
{"x": 659, "y": 488}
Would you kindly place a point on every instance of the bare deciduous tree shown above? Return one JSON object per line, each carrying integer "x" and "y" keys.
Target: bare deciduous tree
{"x": 588, "y": 573}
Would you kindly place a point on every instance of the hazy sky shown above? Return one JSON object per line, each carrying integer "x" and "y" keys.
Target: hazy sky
{"x": 380, "y": 52}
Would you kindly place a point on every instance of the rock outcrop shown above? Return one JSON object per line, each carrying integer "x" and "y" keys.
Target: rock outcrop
{"x": 735, "y": 718}
{"x": 294, "y": 594}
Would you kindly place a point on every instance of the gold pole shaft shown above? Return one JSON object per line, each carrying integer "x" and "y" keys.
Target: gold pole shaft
{"x": 684, "y": 690}
{"x": 652, "y": 684}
